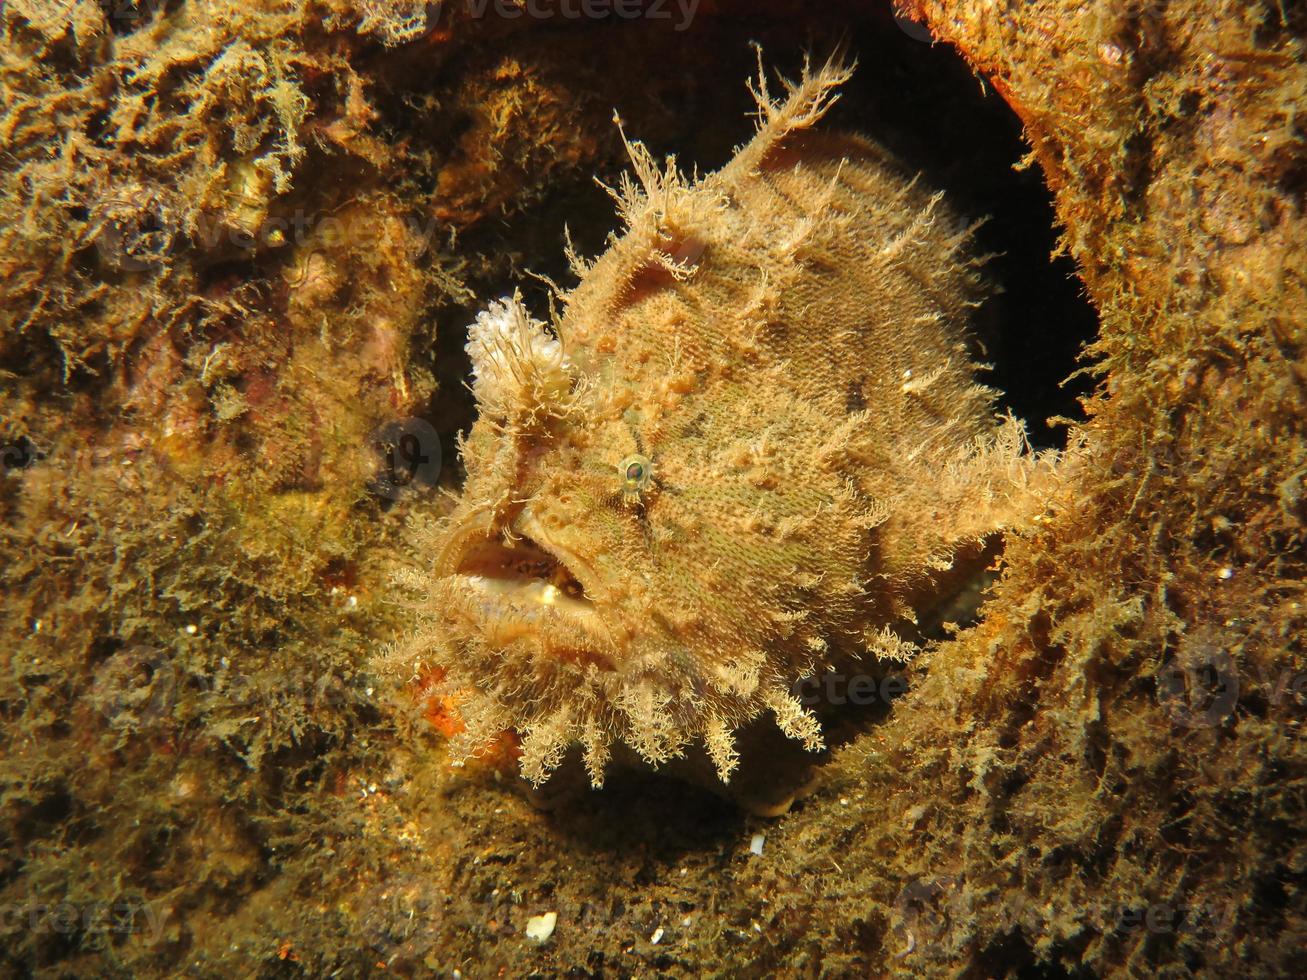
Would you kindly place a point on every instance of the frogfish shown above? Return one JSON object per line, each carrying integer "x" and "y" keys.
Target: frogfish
{"x": 749, "y": 447}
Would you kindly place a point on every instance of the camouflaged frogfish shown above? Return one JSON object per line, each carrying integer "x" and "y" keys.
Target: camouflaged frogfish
{"x": 750, "y": 447}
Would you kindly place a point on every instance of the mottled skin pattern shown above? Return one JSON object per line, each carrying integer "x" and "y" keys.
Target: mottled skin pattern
{"x": 781, "y": 348}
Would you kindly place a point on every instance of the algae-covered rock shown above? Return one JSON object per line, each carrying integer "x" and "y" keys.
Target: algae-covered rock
{"x": 239, "y": 243}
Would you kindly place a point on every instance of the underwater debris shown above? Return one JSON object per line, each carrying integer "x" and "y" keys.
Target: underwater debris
{"x": 751, "y": 447}
{"x": 540, "y": 927}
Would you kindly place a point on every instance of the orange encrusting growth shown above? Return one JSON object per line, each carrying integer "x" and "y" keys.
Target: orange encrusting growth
{"x": 441, "y": 711}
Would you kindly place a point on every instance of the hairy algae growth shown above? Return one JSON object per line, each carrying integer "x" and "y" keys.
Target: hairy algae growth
{"x": 238, "y": 247}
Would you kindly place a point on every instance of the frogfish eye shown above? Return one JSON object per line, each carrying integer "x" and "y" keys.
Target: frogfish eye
{"x": 635, "y": 471}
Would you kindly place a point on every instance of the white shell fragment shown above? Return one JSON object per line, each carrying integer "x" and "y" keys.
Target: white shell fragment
{"x": 540, "y": 927}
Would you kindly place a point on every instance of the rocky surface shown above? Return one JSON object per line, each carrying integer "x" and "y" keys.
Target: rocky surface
{"x": 240, "y": 243}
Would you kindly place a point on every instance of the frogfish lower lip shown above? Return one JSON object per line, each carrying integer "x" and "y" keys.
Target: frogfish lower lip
{"x": 524, "y": 571}
{"x": 531, "y": 591}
